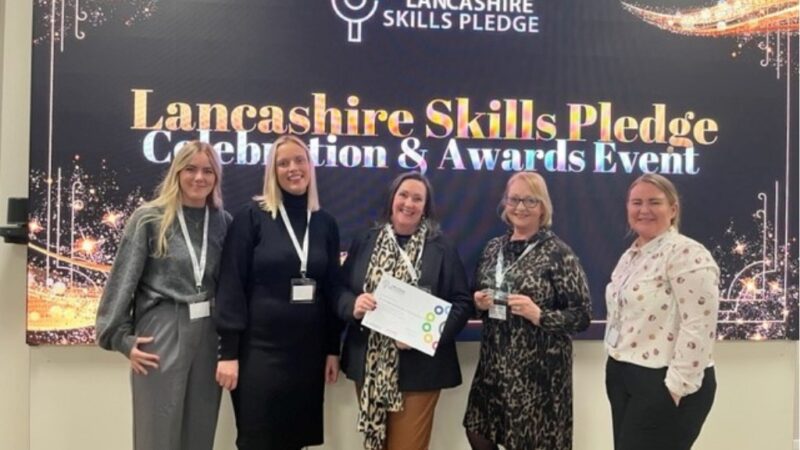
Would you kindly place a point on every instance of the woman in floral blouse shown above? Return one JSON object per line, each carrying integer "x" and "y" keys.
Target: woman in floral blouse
{"x": 662, "y": 317}
{"x": 533, "y": 296}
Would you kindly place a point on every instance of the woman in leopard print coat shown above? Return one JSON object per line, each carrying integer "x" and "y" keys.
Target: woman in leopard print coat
{"x": 533, "y": 295}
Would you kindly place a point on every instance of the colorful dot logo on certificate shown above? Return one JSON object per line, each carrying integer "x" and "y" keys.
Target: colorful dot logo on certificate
{"x": 430, "y": 322}
{"x": 427, "y": 326}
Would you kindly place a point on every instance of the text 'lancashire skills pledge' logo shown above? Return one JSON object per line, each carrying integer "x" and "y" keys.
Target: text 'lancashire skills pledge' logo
{"x": 472, "y": 16}
{"x": 354, "y": 12}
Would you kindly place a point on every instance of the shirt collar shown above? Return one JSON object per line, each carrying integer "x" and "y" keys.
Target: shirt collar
{"x": 654, "y": 244}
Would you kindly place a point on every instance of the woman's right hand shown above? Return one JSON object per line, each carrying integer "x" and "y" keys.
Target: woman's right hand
{"x": 364, "y": 302}
{"x": 483, "y": 300}
{"x": 228, "y": 373}
{"x": 141, "y": 360}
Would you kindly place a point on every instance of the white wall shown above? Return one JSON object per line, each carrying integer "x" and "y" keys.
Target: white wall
{"x": 15, "y": 32}
{"x": 78, "y": 398}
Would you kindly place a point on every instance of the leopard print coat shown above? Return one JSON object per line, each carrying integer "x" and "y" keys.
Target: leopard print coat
{"x": 521, "y": 396}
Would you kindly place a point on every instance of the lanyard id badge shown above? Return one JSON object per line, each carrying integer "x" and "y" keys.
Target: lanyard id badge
{"x": 200, "y": 307}
{"x": 412, "y": 268}
{"x": 612, "y": 334}
{"x": 198, "y": 266}
{"x": 614, "y": 326}
{"x": 499, "y": 308}
{"x": 303, "y": 288}
{"x": 199, "y": 310}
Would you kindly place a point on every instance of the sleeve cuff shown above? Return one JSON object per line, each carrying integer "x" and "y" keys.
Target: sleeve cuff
{"x": 543, "y": 317}
{"x": 675, "y": 384}
{"x": 126, "y": 344}
{"x": 228, "y": 348}
{"x": 546, "y": 317}
{"x": 333, "y": 351}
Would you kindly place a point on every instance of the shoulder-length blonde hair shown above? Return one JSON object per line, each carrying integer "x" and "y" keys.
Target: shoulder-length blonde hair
{"x": 539, "y": 188}
{"x": 663, "y": 184}
{"x": 271, "y": 197}
{"x": 164, "y": 207}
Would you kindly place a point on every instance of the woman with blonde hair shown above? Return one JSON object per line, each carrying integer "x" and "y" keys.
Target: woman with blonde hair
{"x": 279, "y": 338}
{"x": 156, "y": 305}
{"x": 533, "y": 296}
{"x": 662, "y": 303}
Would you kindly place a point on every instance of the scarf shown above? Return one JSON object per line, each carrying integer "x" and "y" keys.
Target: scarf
{"x": 380, "y": 393}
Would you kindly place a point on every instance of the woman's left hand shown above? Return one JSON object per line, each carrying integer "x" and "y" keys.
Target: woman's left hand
{"x": 522, "y": 305}
{"x": 331, "y": 369}
{"x": 402, "y": 345}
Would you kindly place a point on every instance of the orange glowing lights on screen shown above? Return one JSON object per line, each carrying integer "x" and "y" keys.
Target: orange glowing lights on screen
{"x": 726, "y": 18}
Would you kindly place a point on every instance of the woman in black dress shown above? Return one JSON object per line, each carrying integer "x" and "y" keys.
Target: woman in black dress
{"x": 533, "y": 296}
{"x": 279, "y": 338}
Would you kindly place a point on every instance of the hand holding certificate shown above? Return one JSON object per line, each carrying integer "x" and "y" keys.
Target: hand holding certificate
{"x": 408, "y": 314}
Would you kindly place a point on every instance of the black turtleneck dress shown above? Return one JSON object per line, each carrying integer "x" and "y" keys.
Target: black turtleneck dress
{"x": 281, "y": 346}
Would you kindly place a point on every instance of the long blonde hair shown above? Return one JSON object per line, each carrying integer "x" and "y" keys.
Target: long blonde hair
{"x": 271, "y": 197}
{"x": 164, "y": 207}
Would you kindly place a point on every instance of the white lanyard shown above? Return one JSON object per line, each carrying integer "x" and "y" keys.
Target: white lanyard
{"x": 302, "y": 253}
{"x": 631, "y": 267}
{"x": 499, "y": 273}
{"x": 412, "y": 268}
{"x": 198, "y": 268}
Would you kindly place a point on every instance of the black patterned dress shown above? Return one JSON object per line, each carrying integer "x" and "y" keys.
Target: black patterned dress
{"x": 521, "y": 396}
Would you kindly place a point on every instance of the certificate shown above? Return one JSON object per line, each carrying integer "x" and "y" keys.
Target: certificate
{"x": 407, "y": 314}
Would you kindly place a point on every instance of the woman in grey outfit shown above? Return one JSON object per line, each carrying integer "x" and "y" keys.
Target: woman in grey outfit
{"x": 156, "y": 305}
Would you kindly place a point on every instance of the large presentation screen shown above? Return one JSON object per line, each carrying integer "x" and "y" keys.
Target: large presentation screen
{"x": 589, "y": 93}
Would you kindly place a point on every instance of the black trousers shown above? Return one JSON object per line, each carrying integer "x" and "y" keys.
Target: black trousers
{"x": 645, "y": 416}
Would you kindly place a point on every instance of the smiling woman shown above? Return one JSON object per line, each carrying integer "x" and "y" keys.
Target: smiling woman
{"x": 408, "y": 204}
{"x": 197, "y": 180}
{"x": 398, "y": 387}
{"x": 651, "y": 210}
{"x": 156, "y": 304}
{"x": 532, "y": 294}
{"x": 662, "y": 303}
{"x": 279, "y": 338}
{"x": 291, "y": 167}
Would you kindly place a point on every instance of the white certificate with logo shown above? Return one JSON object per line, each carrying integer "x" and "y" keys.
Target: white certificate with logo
{"x": 407, "y": 314}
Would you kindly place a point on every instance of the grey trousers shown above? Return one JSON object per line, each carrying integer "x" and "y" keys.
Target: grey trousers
{"x": 175, "y": 407}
